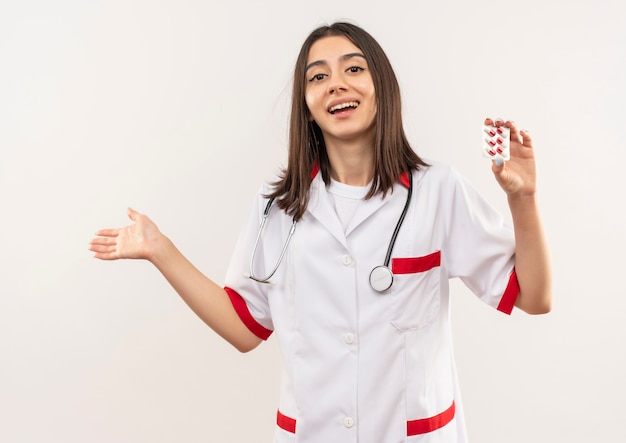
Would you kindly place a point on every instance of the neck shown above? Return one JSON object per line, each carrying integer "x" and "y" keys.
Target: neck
{"x": 351, "y": 163}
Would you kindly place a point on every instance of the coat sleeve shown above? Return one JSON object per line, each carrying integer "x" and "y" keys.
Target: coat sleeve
{"x": 249, "y": 297}
{"x": 482, "y": 246}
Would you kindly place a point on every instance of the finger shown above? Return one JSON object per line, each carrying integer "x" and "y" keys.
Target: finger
{"x": 494, "y": 122}
{"x": 511, "y": 125}
{"x": 105, "y": 256}
{"x": 103, "y": 252}
{"x": 107, "y": 232}
{"x": 102, "y": 249}
{"x": 103, "y": 241}
{"x": 527, "y": 139}
{"x": 515, "y": 135}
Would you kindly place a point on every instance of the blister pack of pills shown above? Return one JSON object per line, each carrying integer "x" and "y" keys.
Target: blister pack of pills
{"x": 496, "y": 140}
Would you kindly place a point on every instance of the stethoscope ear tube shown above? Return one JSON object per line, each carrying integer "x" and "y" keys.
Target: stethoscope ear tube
{"x": 266, "y": 213}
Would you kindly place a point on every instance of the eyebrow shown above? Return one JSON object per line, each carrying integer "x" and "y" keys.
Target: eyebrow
{"x": 343, "y": 58}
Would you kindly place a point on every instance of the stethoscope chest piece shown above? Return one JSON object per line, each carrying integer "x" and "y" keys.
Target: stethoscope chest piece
{"x": 381, "y": 278}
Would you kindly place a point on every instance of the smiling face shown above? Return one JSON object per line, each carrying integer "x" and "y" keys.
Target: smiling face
{"x": 340, "y": 92}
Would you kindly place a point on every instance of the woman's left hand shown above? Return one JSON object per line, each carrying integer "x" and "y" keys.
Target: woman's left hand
{"x": 516, "y": 176}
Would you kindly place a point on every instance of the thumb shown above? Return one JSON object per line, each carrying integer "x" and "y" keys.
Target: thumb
{"x": 497, "y": 165}
{"x": 132, "y": 214}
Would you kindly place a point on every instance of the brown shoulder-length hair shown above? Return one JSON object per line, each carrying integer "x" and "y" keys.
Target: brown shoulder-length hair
{"x": 393, "y": 153}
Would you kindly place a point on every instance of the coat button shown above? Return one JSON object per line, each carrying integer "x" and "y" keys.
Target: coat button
{"x": 348, "y": 422}
{"x": 349, "y": 338}
{"x": 346, "y": 260}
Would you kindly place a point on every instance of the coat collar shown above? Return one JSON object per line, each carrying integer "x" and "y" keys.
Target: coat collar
{"x": 321, "y": 208}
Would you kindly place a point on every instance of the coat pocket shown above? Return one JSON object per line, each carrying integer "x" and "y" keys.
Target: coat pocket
{"x": 425, "y": 426}
{"x": 415, "y": 293}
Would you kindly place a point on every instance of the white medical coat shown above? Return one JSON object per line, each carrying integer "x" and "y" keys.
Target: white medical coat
{"x": 361, "y": 366}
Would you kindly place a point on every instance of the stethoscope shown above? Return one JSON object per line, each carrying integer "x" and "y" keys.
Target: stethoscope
{"x": 381, "y": 277}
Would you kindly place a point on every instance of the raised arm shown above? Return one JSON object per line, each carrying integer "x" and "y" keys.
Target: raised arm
{"x": 143, "y": 240}
{"x": 517, "y": 177}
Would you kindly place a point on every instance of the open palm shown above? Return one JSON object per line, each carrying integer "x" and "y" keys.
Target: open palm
{"x": 133, "y": 241}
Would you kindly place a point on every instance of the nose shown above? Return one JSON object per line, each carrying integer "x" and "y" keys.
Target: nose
{"x": 337, "y": 84}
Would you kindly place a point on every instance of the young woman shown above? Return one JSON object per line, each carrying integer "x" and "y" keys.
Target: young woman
{"x": 351, "y": 268}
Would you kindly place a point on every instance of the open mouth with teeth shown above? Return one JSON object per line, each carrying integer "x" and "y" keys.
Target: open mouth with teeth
{"x": 343, "y": 106}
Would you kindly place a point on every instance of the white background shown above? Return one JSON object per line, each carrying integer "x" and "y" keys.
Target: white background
{"x": 179, "y": 109}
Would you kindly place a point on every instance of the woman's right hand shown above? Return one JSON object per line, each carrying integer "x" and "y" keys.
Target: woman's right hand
{"x": 208, "y": 300}
{"x": 138, "y": 240}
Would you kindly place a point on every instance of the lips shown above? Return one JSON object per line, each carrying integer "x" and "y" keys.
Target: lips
{"x": 342, "y": 106}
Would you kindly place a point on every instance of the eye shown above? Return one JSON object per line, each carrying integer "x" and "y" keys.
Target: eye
{"x": 317, "y": 77}
{"x": 355, "y": 69}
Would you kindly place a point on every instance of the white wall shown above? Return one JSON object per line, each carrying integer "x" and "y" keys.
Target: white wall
{"x": 179, "y": 109}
